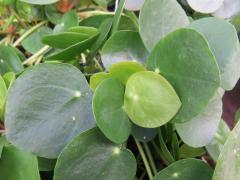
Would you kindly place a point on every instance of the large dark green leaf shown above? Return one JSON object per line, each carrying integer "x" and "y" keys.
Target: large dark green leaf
{"x": 123, "y": 46}
{"x": 150, "y": 101}
{"x": 91, "y": 156}
{"x": 187, "y": 169}
{"x": 228, "y": 164}
{"x": 199, "y": 131}
{"x": 108, "y": 110}
{"x": 184, "y": 58}
{"x": 143, "y": 134}
{"x": 9, "y": 60}
{"x": 47, "y": 106}
{"x": 18, "y": 165}
{"x": 223, "y": 41}
{"x": 158, "y": 18}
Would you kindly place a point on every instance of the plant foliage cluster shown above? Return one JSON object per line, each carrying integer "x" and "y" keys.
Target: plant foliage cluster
{"x": 132, "y": 89}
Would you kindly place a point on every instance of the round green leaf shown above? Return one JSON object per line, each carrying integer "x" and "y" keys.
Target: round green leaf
{"x": 158, "y": 18}
{"x": 123, "y": 46}
{"x": 149, "y": 100}
{"x": 215, "y": 147}
{"x": 228, "y": 164}
{"x": 225, "y": 46}
{"x": 108, "y": 110}
{"x": 123, "y": 70}
{"x": 91, "y": 156}
{"x": 201, "y": 129}
{"x": 184, "y": 58}
{"x": 205, "y": 6}
{"x": 33, "y": 42}
{"x": 187, "y": 169}
{"x": 97, "y": 78}
{"x": 18, "y": 165}
{"x": 9, "y": 60}
{"x": 40, "y": 2}
{"x": 54, "y": 102}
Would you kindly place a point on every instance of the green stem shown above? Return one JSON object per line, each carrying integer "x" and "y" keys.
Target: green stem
{"x": 167, "y": 155}
{"x": 159, "y": 152}
{"x": 27, "y": 33}
{"x": 117, "y": 16}
{"x": 36, "y": 56}
{"x": 8, "y": 23}
{"x": 146, "y": 164}
{"x": 150, "y": 158}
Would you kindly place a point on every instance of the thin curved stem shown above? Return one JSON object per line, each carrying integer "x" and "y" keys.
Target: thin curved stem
{"x": 27, "y": 33}
{"x": 144, "y": 158}
{"x": 150, "y": 158}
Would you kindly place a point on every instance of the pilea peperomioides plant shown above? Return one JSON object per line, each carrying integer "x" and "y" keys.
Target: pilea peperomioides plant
{"x": 91, "y": 94}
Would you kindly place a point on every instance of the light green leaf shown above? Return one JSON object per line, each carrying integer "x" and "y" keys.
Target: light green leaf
{"x": 18, "y": 165}
{"x": 9, "y": 78}
{"x": 97, "y": 78}
{"x": 223, "y": 41}
{"x": 40, "y": 2}
{"x": 54, "y": 102}
{"x": 3, "y": 93}
{"x": 33, "y": 42}
{"x": 205, "y": 6}
{"x": 91, "y": 156}
{"x": 158, "y": 18}
{"x": 184, "y": 58}
{"x": 150, "y": 101}
{"x": 227, "y": 167}
{"x": 187, "y": 169}
{"x": 199, "y": 131}
{"x": 123, "y": 46}
{"x": 9, "y": 60}
{"x": 123, "y": 70}
{"x": 108, "y": 110}
{"x": 215, "y": 147}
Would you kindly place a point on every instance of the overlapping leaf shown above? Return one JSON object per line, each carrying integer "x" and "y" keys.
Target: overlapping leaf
{"x": 54, "y": 102}
{"x": 184, "y": 58}
{"x": 91, "y": 156}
